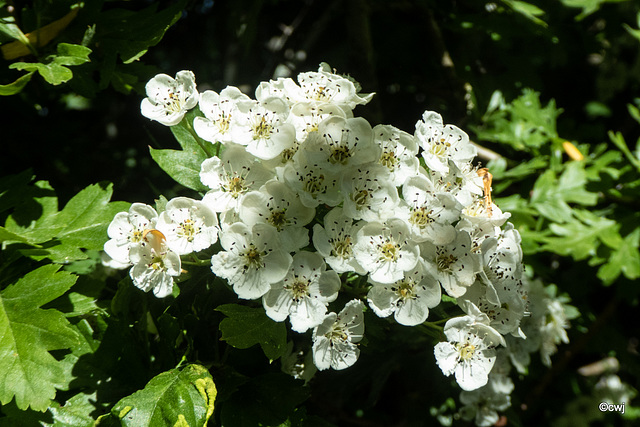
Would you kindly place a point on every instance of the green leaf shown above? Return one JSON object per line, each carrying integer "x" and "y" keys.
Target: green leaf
{"x": 8, "y": 236}
{"x": 172, "y": 398}
{"x": 245, "y": 327}
{"x": 82, "y": 224}
{"x": 182, "y": 166}
{"x": 581, "y": 239}
{"x": 550, "y": 196}
{"x": 71, "y": 54}
{"x": 31, "y": 374}
{"x": 524, "y": 124}
{"x": 130, "y": 34}
{"x": 587, "y": 6}
{"x": 53, "y": 73}
{"x": 527, "y": 10}
{"x": 17, "y": 86}
{"x": 187, "y": 138}
{"x": 625, "y": 259}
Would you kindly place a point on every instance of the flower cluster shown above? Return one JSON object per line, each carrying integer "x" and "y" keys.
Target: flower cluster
{"x": 306, "y": 198}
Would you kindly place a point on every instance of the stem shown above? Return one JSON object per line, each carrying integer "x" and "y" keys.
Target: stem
{"x": 618, "y": 140}
{"x": 197, "y": 261}
{"x": 203, "y": 144}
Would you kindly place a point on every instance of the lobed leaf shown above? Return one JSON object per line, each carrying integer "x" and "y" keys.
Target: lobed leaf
{"x": 172, "y": 398}
{"x": 60, "y": 236}
{"x": 30, "y": 374}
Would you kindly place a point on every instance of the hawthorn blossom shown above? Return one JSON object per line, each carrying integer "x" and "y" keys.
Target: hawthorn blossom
{"x": 220, "y": 111}
{"x": 154, "y": 264}
{"x": 279, "y": 206}
{"x": 324, "y": 86}
{"x": 126, "y": 231}
{"x": 398, "y": 152}
{"x": 305, "y": 292}
{"x": 230, "y": 177}
{"x": 368, "y": 193}
{"x": 430, "y": 214}
{"x": 442, "y": 143}
{"x": 335, "y": 339}
{"x": 469, "y": 352}
{"x": 312, "y": 181}
{"x": 252, "y": 259}
{"x": 188, "y": 225}
{"x": 168, "y": 99}
{"x": 454, "y": 264}
{"x": 409, "y": 299}
{"x": 263, "y": 129}
{"x": 383, "y": 249}
{"x": 343, "y": 143}
{"x": 335, "y": 241}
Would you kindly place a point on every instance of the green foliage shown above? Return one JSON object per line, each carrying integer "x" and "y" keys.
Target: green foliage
{"x": 62, "y": 235}
{"x": 556, "y": 222}
{"x": 54, "y": 70}
{"x": 113, "y": 39}
{"x": 246, "y": 326}
{"x": 184, "y": 165}
{"x": 28, "y": 334}
{"x": 179, "y": 397}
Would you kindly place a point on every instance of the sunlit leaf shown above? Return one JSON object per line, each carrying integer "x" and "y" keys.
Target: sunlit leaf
{"x": 31, "y": 374}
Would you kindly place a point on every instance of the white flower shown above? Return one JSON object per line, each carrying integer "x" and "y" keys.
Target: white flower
{"x": 335, "y": 241}
{"x": 126, "y": 231}
{"x": 442, "y": 143}
{"x": 409, "y": 298}
{"x": 368, "y": 193}
{"x": 306, "y": 117}
{"x": 334, "y": 340}
{"x": 429, "y": 214}
{"x": 343, "y": 143}
{"x": 504, "y": 314}
{"x": 399, "y": 151}
{"x": 252, "y": 259}
{"x": 262, "y": 128}
{"x": 303, "y": 295}
{"x": 188, "y": 225}
{"x": 454, "y": 265}
{"x": 470, "y": 351}
{"x": 155, "y": 264}
{"x": 325, "y": 87}
{"x": 313, "y": 182}
{"x": 384, "y": 250}
{"x": 279, "y": 206}
{"x": 220, "y": 111}
{"x": 480, "y": 212}
{"x": 169, "y": 99}
{"x": 230, "y": 177}
{"x": 462, "y": 182}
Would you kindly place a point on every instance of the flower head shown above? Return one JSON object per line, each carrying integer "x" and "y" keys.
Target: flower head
{"x": 127, "y": 230}
{"x": 154, "y": 264}
{"x": 334, "y": 340}
{"x": 188, "y": 225}
{"x": 469, "y": 352}
{"x": 252, "y": 260}
{"x": 169, "y": 99}
{"x": 304, "y": 293}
